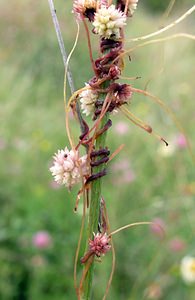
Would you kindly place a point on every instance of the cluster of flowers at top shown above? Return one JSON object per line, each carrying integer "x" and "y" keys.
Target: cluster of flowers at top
{"x": 68, "y": 167}
{"x": 107, "y": 20}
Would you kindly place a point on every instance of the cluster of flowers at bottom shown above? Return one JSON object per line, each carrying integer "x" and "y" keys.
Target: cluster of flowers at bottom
{"x": 68, "y": 167}
{"x": 99, "y": 246}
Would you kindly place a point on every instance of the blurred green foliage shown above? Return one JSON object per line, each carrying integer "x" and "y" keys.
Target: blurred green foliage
{"x": 161, "y": 6}
{"x": 146, "y": 181}
{"x": 157, "y": 6}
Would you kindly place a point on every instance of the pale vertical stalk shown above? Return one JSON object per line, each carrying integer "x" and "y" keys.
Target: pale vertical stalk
{"x": 65, "y": 57}
{"x": 61, "y": 43}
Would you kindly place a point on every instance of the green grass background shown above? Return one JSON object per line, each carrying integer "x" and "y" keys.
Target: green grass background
{"x": 32, "y": 129}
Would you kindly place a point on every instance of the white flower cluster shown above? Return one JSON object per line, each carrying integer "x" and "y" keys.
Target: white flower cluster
{"x": 88, "y": 98}
{"x": 68, "y": 167}
{"x": 133, "y": 6}
{"x": 108, "y": 21}
{"x": 188, "y": 269}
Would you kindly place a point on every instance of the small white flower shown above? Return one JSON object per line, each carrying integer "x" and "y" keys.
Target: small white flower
{"x": 188, "y": 269}
{"x": 108, "y": 21}
{"x": 88, "y": 98}
{"x": 67, "y": 167}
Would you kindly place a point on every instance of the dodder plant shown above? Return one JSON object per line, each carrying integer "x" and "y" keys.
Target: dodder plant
{"x": 102, "y": 97}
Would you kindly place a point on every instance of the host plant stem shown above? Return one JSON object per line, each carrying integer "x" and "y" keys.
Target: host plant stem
{"x": 94, "y": 209}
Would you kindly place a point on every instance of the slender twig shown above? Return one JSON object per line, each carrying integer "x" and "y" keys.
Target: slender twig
{"x": 64, "y": 57}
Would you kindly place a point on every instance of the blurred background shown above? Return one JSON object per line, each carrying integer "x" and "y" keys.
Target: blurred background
{"x": 147, "y": 181}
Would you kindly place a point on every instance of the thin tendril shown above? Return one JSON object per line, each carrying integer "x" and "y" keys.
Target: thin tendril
{"x": 78, "y": 248}
{"x": 161, "y": 51}
{"x": 126, "y": 7}
{"x": 185, "y": 15}
{"x": 160, "y": 40}
{"x": 142, "y": 125}
{"x": 94, "y": 127}
{"x": 105, "y": 107}
{"x": 87, "y": 266}
{"x": 89, "y": 44}
{"x": 116, "y": 152}
{"x": 75, "y": 95}
{"x": 134, "y": 224}
{"x": 171, "y": 114}
{"x": 130, "y": 78}
{"x": 169, "y": 9}
{"x": 65, "y": 76}
{"x": 159, "y": 71}
{"x": 113, "y": 257}
{"x": 68, "y": 60}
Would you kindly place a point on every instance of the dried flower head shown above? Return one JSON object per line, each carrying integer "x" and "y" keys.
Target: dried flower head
{"x": 104, "y": 64}
{"x": 132, "y": 6}
{"x": 122, "y": 93}
{"x": 88, "y": 98}
{"x": 108, "y": 21}
{"x": 68, "y": 166}
{"x": 188, "y": 269}
{"x": 100, "y": 244}
{"x": 85, "y": 8}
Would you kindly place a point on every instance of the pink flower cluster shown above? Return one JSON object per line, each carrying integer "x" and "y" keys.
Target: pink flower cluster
{"x": 42, "y": 240}
{"x": 100, "y": 244}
